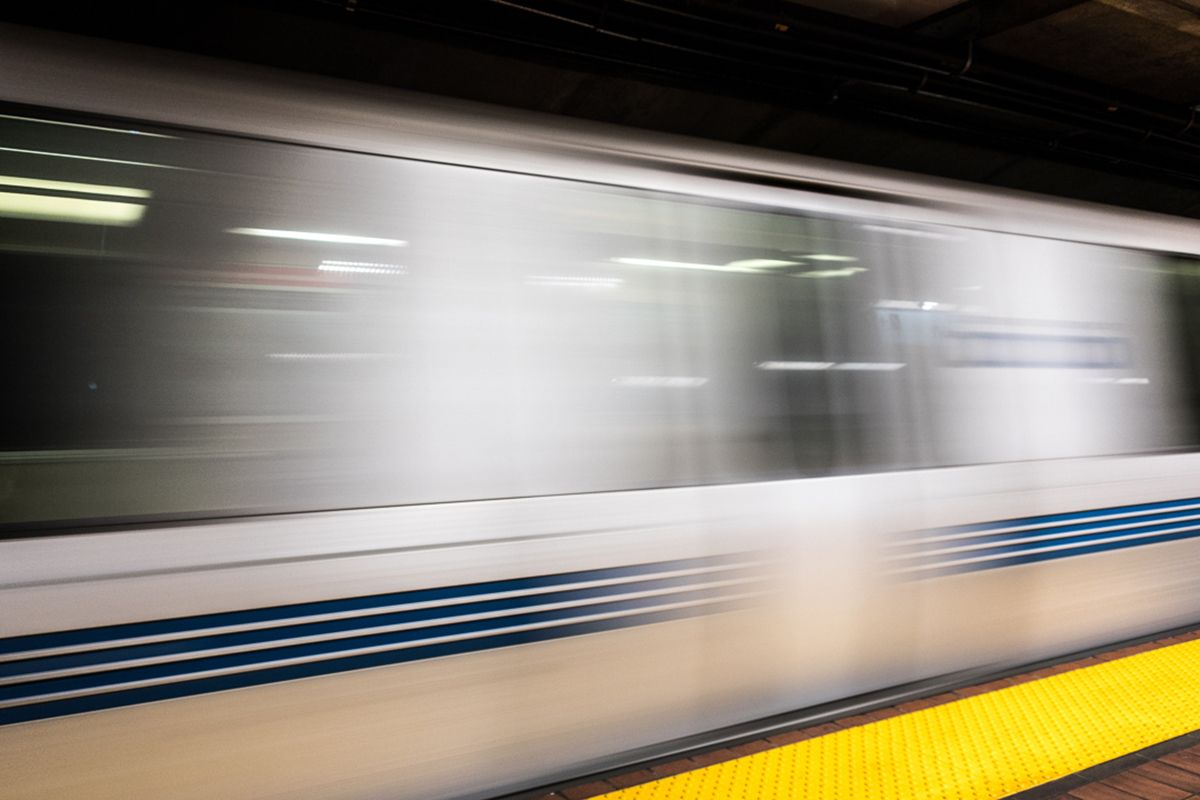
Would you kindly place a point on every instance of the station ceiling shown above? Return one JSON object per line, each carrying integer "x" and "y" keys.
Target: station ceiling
{"x": 1149, "y": 47}
{"x": 1089, "y": 99}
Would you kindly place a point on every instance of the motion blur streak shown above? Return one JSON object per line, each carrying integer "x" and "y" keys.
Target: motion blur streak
{"x": 439, "y": 452}
{"x": 69, "y": 209}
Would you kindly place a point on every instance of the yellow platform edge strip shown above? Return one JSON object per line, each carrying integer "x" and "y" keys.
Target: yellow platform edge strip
{"x": 979, "y": 748}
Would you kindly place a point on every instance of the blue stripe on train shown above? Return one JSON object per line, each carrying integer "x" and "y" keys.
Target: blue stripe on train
{"x": 1152, "y": 523}
{"x": 146, "y": 694}
{"x": 1033, "y": 558}
{"x": 1094, "y": 536}
{"x": 1090, "y": 534}
{"x": 1139, "y": 520}
{"x": 1065, "y": 517}
{"x": 110, "y": 655}
{"x": 250, "y": 658}
{"x": 39, "y": 641}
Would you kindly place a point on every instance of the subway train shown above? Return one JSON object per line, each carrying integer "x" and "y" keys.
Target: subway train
{"x": 364, "y": 444}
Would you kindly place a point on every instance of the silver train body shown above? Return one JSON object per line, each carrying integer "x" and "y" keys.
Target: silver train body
{"x": 369, "y": 445}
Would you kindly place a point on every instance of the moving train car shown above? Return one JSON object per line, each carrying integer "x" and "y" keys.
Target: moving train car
{"x": 363, "y": 444}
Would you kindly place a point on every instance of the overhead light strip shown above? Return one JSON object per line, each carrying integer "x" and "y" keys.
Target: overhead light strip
{"x": 367, "y": 267}
{"x": 69, "y": 209}
{"x": 658, "y": 262}
{"x": 68, "y": 186}
{"x": 313, "y": 236}
{"x": 827, "y": 257}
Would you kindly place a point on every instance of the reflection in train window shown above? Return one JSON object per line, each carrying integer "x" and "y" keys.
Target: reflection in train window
{"x": 213, "y": 326}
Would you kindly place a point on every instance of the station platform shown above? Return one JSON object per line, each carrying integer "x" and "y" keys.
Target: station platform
{"x": 1120, "y": 724}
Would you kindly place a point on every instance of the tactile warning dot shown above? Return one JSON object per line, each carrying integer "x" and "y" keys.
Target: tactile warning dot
{"x": 979, "y": 748}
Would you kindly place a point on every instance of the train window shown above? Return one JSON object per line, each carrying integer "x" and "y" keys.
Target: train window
{"x": 206, "y": 326}
{"x": 216, "y": 326}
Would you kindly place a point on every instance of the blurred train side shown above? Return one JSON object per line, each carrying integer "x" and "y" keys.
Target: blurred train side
{"x": 281, "y": 343}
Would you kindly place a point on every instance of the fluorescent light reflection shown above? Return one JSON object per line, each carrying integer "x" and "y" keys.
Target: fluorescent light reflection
{"x": 660, "y": 381}
{"x": 367, "y": 267}
{"x": 868, "y": 366}
{"x": 1120, "y": 381}
{"x": 753, "y": 265}
{"x": 914, "y": 305}
{"x": 67, "y": 186}
{"x": 69, "y": 209}
{"x": 828, "y": 257}
{"x": 761, "y": 263}
{"x": 801, "y": 366}
{"x": 658, "y": 262}
{"x": 830, "y": 273}
{"x": 312, "y": 236}
{"x": 907, "y": 232}
{"x": 574, "y": 281}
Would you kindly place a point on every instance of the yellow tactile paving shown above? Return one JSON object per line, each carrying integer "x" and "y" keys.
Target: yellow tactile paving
{"x": 979, "y": 748}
